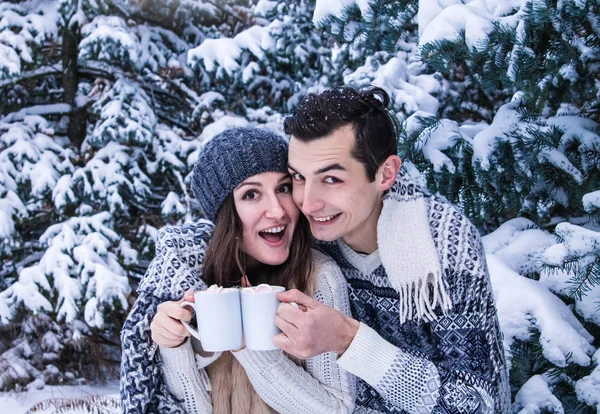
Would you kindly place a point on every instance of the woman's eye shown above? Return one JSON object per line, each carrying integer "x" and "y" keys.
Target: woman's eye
{"x": 250, "y": 195}
{"x": 331, "y": 180}
{"x": 285, "y": 188}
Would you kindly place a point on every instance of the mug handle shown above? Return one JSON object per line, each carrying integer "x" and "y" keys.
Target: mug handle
{"x": 191, "y": 330}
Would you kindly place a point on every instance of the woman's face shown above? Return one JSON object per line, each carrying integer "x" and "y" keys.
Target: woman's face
{"x": 269, "y": 216}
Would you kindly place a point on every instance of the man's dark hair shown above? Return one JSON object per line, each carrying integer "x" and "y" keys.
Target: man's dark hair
{"x": 375, "y": 128}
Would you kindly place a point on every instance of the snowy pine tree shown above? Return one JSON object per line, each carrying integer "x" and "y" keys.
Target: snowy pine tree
{"x": 80, "y": 210}
{"x": 106, "y": 106}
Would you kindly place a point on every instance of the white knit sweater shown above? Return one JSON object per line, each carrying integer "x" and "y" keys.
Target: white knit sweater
{"x": 322, "y": 388}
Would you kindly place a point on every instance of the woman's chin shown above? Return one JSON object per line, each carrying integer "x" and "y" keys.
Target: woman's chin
{"x": 274, "y": 258}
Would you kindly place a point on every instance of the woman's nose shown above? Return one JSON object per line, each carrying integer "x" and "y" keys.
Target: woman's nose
{"x": 274, "y": 209}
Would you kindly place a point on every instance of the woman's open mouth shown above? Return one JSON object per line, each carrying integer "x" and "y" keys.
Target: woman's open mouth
{"x": 273, "y": 235}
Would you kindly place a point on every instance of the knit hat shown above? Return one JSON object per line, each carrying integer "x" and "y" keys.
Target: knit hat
{"x": 231, "y": 157}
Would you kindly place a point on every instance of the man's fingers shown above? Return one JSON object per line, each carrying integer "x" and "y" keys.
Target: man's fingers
{"x": 300, "y": 298}
{"x": 286, "y": 327}
{"x": 284, "y": 342}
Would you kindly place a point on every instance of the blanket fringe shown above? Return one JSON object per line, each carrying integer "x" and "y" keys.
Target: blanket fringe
{"x": 420, "y": 297}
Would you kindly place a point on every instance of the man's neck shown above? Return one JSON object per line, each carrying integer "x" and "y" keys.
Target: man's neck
{"x": 364, "y": 238}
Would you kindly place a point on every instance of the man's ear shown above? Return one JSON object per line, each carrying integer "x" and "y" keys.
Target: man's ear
{"x": 388, "y": 172}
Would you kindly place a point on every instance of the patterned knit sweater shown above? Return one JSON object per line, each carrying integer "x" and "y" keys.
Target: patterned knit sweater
{"x": 177, "y": 267}
{"x": 450, "y": 363}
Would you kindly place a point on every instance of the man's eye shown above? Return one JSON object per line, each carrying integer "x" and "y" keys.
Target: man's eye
{"x": 297, "y": 177}
{"x": 285, "y": 188}
{"x": 331, "y": 180}
{"x": 250, "y": 195}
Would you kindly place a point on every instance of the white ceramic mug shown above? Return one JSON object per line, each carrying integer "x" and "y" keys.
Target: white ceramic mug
{"x": 219, "y": 320}
{"x": 258, "y": 318}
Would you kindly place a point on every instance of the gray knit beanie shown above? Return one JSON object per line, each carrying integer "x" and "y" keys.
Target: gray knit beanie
{"x": 231, "y": 157}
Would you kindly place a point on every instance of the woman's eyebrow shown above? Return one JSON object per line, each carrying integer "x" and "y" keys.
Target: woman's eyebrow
{"x": 256, "y": 183}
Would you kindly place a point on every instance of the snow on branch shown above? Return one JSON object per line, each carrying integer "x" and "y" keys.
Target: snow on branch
{"x": 80, "y": 272}
{"x": 109, "y": 39}
{"x": 225, "y": 52}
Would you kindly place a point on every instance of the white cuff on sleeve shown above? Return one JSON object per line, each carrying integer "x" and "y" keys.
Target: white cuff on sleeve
{"x": 178, "y": 358}
{"x": 369, "y": 356}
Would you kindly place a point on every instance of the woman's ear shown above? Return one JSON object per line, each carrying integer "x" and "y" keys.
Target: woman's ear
{"x": 388, "y": 172}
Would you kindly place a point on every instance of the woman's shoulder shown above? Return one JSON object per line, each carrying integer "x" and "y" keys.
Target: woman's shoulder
{"x": 325, "y": 269}
{"x": 322, "y": 260}
{"x": 330, "y": 286}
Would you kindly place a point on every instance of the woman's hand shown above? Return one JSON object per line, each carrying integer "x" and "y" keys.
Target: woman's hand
{"x": 166, "y": 327}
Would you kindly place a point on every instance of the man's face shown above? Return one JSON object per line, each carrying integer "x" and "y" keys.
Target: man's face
{"x": 332, "y": 190}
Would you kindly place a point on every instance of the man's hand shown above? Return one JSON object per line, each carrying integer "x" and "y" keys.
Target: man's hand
{"x": 310, "y": 332}
{"x": 166, "y": 328}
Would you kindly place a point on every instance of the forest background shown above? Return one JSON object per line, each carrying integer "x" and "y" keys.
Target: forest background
{"x": 105, "y": 104}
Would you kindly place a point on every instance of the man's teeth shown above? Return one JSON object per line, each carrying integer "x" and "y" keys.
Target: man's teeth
{"x": 274, "y": 230}
{"x": 321, "y": 219}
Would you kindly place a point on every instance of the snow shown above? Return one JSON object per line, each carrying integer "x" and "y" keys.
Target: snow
{"x": 19, "y": 403}
{"x": 535, "y": 396}
{"x": 325, "y": 8}
{"x": 456, "y": 21}
{"x": 77, "y": 264}
{"x": 519, "y": 244}
{"x": 224, "y": 52}
{"x": 578, "y": 242}
{"x": 588, "y": 387}
{"x": 264, "y": 7}
{"x": 226, "y": 122}
{"x": 506, "y": 120}
{"x": 524, "y": 304}
{"x": 172, "y": 206}
{"x": 108, "y": 38}
{"x": 126, "y": 115}
{"x": 452, "y": 19}
{"x": 591, "y": 201}
{"x": 10, "y": 64}
{"x": 399, "y": 76}
{"x": 432, "y": 141}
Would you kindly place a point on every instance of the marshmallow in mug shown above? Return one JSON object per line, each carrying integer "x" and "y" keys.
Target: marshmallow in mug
{"x": 216, "y": 289}
{"x": 262, "y": 288}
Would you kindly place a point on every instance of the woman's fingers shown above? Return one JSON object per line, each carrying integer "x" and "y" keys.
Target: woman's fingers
{"x": 175, "y": 311}
{"x": 166, "y": 327}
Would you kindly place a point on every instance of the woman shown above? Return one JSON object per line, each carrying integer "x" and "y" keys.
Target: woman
{"x": 241, "y": 182}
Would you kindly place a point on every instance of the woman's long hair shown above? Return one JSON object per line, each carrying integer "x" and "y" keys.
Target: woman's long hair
{"x": 224, "y": 263}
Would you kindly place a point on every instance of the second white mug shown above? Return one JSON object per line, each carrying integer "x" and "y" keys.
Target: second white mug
{"x": 258, "y": 318}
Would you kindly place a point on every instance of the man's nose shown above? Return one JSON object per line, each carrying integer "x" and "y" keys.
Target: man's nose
{"x": 312, "y": 200}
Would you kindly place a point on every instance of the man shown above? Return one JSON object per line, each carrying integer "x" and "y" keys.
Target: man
{"x": 424, "y": 336}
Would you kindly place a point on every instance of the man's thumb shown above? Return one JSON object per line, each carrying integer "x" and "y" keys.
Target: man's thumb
{"x": 295, "y": 295}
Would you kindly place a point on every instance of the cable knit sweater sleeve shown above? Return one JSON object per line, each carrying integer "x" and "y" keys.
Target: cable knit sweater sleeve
{"x": 323, "y": 387}
{"x": 186, "y": 379}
